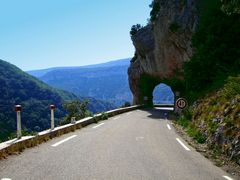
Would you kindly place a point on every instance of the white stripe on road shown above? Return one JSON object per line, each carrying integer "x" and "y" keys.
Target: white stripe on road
{"x": 169, "y": 127}
{"x": 228, "y": 178}
{"x": 67, "y": 139}
{"x": 6, "y": 179}
{"x": 183, "y": 145}
{"x": 116, "y": 118}
{"x": 98, "y": 125}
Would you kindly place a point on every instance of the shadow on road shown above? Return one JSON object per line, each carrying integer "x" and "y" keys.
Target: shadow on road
{"x": 159, "y": 114}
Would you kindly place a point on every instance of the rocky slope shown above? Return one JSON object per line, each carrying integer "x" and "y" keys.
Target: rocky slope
{"x": 162, "y": 47}
{"x": 217, "y": 116}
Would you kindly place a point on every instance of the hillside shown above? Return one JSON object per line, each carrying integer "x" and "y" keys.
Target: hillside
{"x": 17, "y": 87}
{"x": 108, "y": 82}
{"x": 193, "y": 46}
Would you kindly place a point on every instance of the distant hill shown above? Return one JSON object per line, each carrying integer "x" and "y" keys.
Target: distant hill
{"x": 18, "y": 87}
{"x": 42, "y": 72}
{"x": 106, "y": 81}
{"x": 163, "y": 94}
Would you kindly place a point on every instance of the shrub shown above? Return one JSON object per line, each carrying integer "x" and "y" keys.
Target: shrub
{"x": 76, "y": 109}
{"x": 104, "y": 116}
{"x": 155, "y": 5}
{"x": 232, "y": 87}
{"x": 135, "y": 29}
{"x": 197, "y": 135}
{"x": 183, "y": 121}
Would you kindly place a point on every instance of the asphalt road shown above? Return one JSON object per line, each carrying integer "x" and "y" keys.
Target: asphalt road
{"x": 135, "y": 145}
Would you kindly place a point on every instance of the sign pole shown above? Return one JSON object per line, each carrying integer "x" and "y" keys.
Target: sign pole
{"x": 18, "y": 109}
{"x": 52, "y": 107}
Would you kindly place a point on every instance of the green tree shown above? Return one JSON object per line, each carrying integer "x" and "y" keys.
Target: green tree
{"x": 75, "y": 109}
{"x": 155, "y": 5}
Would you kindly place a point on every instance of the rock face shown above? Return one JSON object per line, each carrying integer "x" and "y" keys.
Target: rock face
{"x": 162, "y": 47}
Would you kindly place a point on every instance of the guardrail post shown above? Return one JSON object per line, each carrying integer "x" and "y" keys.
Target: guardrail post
{"x": 73, "y": 120}
{"x": 18, "y": 109}
{"x": 52, "y": 108}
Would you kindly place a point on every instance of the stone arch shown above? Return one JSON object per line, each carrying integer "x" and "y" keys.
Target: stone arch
{"x": 146, "y": 86}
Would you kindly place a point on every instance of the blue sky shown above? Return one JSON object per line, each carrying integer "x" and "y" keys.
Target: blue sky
{"x": 38, "y": 34}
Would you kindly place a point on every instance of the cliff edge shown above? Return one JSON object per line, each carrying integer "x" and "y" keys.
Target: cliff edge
{"x": 162, "y": 46}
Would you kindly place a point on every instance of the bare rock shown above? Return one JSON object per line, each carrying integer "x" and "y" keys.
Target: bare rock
{"x": 163, "y": 46}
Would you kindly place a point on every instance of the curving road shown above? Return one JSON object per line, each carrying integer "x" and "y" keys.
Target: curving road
{"x": 135, "y": 145}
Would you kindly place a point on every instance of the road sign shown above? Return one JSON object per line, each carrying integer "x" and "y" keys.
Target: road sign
{"x": 181, "y": 103}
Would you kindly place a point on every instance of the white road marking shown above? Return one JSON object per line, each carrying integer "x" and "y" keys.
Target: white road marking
{"x": 6, "y": 179}
{"x": 129, "y": 113}
{"x": 169, "y": 127}
{"x": 165, "y": 108}
{"x": 138, "y": 138}
{"x": 67, "y": 139}
{"x": 98, "y": 125}
{"x": 228, "y": 178}
{"x": 183, "y": 145}
{"x": 116, "y": 118}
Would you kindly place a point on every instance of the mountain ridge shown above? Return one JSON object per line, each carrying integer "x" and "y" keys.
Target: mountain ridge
{"x": 41, "y": 72}
{"x": 18, "y": 87}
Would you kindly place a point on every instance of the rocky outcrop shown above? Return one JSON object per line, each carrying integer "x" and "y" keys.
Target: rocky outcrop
{"x": 162, "y": 47}
{"x": 217, "y": 117}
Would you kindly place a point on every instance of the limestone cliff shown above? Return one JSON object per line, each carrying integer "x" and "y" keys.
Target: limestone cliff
{"x": 162, "y": 47}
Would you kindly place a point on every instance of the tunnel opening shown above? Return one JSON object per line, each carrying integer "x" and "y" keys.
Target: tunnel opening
{"x": 157, "y": 91}
{"x": 163, "y": 95}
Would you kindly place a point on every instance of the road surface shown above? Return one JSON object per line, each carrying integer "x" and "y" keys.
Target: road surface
{"x": 135, "y": 145}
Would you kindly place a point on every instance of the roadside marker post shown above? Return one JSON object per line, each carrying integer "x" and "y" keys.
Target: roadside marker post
{"x": 52, "y": 108}
{"x": 18, "y": 109}
{"x": 73, "y": 120}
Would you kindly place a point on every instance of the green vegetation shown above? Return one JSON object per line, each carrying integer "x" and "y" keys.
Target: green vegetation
{"x": 17, "y": 87}
{"x": 135, "y": 29}
{"x": 104, "y": 116}
{"x": 232, "y": 87}
{"x": 75, "y": 109}
{"x": 185, "y": 121}
{"x": 231, "y": 6}
{"x": 217, "y": 50}
{"x": 155, "y": 5}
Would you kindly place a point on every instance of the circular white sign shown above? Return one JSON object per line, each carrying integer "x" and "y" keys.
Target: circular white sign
{"x": 181, "y": 103}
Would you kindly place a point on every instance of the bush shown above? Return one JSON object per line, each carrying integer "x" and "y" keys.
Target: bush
{"x": 216, "y": 45}
{"x": 135, "y": 29}
{"x": 155, "y": 5}
{"x": 76, "y": 109}
{"x": 197, "y": 135}
{"x": 104, "y": 116}
{"x": 232, "y": 87}
{"x": 183, "y": 121}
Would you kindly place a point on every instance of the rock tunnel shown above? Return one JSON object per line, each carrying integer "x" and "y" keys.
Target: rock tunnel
{"x": 146, "y": 91}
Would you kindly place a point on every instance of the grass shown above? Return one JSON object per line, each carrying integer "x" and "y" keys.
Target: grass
{"x": 192, "y": 131}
